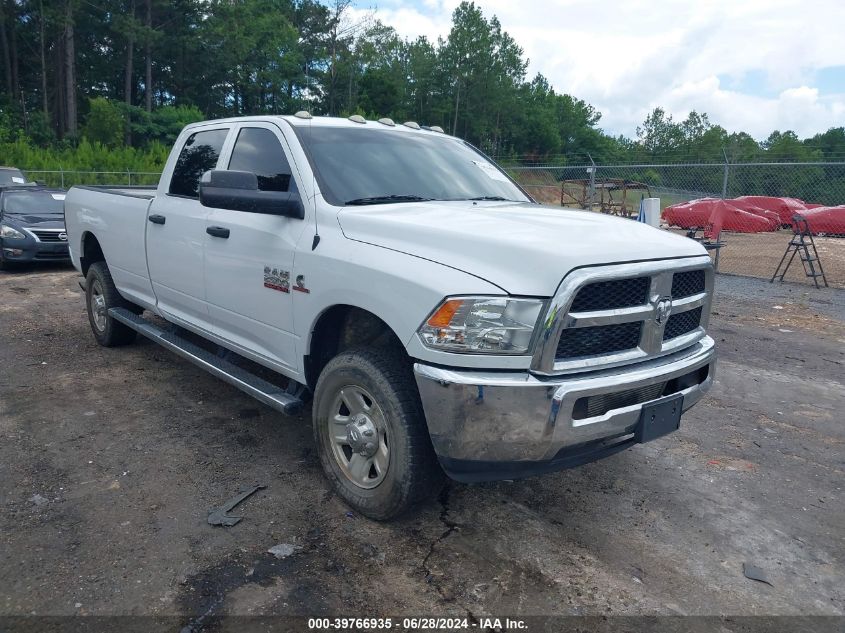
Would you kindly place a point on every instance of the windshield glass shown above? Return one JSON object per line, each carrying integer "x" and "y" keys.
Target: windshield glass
{"x": 372, "y": 166}
{"x": 11, "y": 177}
{"x": 32, "y": 203}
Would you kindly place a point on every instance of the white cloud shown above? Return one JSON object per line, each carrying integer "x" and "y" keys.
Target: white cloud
{"x": 627, "y": 56}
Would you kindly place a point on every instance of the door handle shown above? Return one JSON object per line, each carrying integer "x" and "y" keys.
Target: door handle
{"x": 155, "y": 218}
{"x": 218, "y": 231}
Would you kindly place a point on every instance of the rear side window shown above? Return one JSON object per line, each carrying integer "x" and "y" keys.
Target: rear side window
{"x": 258, "y": 150}
{"x": 200, "y": 153}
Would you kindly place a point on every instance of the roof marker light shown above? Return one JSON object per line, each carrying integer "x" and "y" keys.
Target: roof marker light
{"x": 303, "y": 114}
{"x": 412, "y": 124}
{"x": 357, "y": 118}
{"x": 386, "y": 121}
{"x": 437, "y": 128}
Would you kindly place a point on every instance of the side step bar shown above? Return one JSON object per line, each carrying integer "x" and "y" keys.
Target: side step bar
{"x": 263, "y": 391}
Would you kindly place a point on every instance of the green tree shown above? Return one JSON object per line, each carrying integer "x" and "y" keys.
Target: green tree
{"x": 831, "y": 144}
{"x": 105, "y": 123}
{"x": 659, "y": 133}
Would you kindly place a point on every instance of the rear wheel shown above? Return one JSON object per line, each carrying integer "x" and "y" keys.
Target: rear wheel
{"x": 371, "y": 433}
{"x": 100, "y": 296}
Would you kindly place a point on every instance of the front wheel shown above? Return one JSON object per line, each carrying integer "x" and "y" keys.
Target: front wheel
{"x": 100, "y": 296}
{"x": 371, "y": 433}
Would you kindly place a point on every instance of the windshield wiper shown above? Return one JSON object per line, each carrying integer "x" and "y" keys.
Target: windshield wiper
{"x": 385, "y": 200}
{"x": 495, "y": 198}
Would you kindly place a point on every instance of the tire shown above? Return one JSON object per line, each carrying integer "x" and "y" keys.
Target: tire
{"x": 403, "y": 469}
{"x": 100, "y": 296}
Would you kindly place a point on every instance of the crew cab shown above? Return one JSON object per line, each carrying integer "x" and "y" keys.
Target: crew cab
{"x": 440, "y": 319}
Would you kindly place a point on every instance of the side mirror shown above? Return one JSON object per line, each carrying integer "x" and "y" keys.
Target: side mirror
{"x": 238, "y": 191}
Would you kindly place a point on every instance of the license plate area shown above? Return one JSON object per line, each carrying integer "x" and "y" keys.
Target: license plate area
{"x": 660, "y": 418}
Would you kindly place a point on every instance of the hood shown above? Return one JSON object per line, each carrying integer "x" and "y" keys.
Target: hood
{"x": 48, "y": 220}
{"x": 524, "y": 248}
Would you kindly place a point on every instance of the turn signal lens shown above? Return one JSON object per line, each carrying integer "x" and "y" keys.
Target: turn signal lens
{"x": 443, "y": 316}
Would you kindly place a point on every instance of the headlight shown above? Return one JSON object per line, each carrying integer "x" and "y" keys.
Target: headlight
{"x": 9, "y": 232}
{"x": 482, "y": 325}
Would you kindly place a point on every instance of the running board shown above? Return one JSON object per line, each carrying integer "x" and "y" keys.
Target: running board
{"x": 263, "y": 391}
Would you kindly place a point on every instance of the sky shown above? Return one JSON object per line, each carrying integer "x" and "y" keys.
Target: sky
{"x": 751, "y": 65}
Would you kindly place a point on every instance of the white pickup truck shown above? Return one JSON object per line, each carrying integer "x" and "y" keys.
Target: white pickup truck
{"x": 440, "y": 319}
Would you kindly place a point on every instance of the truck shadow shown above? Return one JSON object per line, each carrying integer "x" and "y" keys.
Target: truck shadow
{"x": 22, "y": 270}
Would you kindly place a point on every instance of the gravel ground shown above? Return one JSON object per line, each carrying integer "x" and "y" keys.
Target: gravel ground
{"x": 111, "y": 458}
{"x": 811, "y": 301}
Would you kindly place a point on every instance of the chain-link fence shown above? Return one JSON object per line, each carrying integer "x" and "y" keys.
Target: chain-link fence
{"x": 68, "y": 178}
{"x": 742, "y": 212}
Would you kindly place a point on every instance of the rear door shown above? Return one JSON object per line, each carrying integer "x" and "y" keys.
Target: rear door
{"x": 176, "y": 234}
{"x": 248, "y": 274}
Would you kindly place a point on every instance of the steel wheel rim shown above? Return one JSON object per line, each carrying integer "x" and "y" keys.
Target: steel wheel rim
{"x": 354, "y": 412}
{"x": 98, "y": 306}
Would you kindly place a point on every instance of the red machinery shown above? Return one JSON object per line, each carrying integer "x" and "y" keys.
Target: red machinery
{"x": 784, "y": 207}
{"x": 827, "y": 220}
{"x": 715, "y": 215}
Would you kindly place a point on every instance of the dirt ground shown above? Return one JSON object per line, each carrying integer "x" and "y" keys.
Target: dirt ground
{"x": 111, "y": 458}
{"x": 758, "y": 255}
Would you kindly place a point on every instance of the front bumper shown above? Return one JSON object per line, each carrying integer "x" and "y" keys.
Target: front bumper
{"x": 29, "y": 250}
{"x": 489, "y": 425}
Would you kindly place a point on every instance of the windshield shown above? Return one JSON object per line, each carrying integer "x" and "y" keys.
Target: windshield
{"x": 11, "y": 177}
{"x": 372, "y": 166}
{"x": 32, "y": 203}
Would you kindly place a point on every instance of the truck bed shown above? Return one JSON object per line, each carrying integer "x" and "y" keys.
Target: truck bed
{"x": 146, "y": 192}
{"x": 116, "y": 218}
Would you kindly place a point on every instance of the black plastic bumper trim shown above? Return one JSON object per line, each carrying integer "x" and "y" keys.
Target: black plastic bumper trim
{"x": 471, "y": 471}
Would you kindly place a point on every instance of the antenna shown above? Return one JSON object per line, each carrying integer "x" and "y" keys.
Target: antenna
{"x": 313, "y": 187}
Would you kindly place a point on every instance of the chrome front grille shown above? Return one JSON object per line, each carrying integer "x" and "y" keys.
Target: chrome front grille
{"x": 49, "y": 235}
{"x": 599, "y": 339}
{"x": 613, "y": 315}
{"x": 682, "y": 323}
{"x": 687, "y": 283}
{"x": 609, "y": 295}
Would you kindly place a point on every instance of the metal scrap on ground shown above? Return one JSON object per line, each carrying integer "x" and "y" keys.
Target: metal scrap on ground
{"x": 219, "y": 516}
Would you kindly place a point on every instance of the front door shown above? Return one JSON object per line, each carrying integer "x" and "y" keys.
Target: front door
{"x": 176, "y": 236}
{"x": 249, "y": 256}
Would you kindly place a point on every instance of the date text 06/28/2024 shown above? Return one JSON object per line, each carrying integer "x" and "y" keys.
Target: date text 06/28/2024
{"x": 416, "y": 624}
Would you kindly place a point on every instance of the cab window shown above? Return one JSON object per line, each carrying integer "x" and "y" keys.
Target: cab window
{"x": 200, "y": 153}
{"x": 259, "y": 151}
